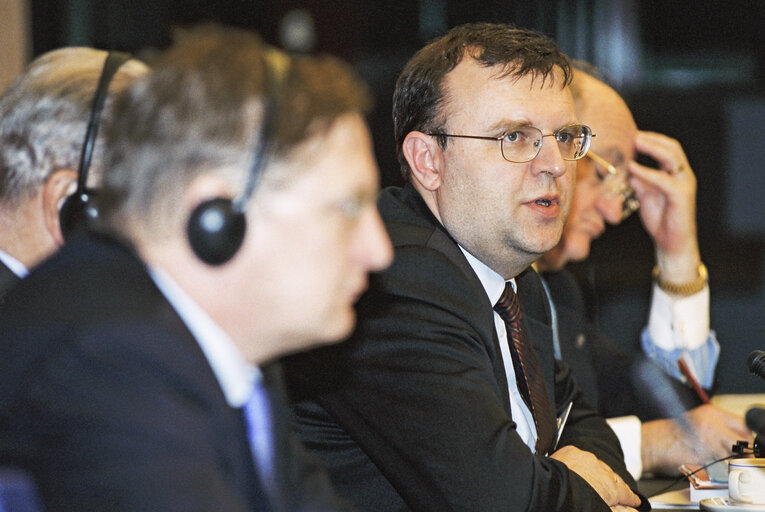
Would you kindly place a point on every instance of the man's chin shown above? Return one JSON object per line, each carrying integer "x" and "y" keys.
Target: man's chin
{"x": 339, "y": 328}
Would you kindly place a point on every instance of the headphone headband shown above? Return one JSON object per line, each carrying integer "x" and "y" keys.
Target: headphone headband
{"x": 78, "y": 206}
{"x": 112, "y": 63}
{"x": 216, "y": 227}
{"x": 276, "y": 68}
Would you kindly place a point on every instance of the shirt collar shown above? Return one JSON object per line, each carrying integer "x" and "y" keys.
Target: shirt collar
{"x": 235, "y": 375}
{"x": 15, "y": 265}
{"x": 493, "y": 283}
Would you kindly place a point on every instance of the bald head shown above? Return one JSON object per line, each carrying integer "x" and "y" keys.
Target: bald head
{"x": 602, "y": 109}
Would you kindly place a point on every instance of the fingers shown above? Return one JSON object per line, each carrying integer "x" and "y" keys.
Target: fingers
{"x": 625, "y": 496}
{"x": 709, "y": 414}
{"x": 667, "y": 152}
{"x": 737, "y": 424}
{"x": 667, "y": 196}
{"x": 599, "y": 475}
{"x": 671, "y": 158}
{"x": 611, "y": 487}
{"x": 718, "y": 429}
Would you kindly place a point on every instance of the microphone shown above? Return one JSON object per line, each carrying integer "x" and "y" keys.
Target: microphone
{"x": 755, "y": 420}
{"x": 756, "y": 362}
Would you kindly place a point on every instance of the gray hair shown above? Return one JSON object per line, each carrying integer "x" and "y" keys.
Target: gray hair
{"x": 44, "y": 116}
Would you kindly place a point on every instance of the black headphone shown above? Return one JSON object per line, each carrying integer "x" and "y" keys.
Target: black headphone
{"x": 216, "y": 227}
{"x": 79, "y": 208}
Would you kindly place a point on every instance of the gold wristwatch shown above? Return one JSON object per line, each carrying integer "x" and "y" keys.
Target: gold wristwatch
{"x": 685, "y": 289}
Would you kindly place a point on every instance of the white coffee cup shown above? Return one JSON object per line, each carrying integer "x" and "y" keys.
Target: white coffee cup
{"x": 746, "y": 481}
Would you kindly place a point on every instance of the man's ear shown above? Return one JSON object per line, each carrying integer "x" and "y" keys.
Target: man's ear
{"x": 203, "y": 188}
{"x": 425, "y": 158}
{"x": 59, "y": 185}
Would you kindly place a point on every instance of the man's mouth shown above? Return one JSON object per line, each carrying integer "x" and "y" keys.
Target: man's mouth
{"x": 548, "y": 207}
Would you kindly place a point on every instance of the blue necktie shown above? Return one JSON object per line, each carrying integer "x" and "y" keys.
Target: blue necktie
{"x": 260, "y": 430}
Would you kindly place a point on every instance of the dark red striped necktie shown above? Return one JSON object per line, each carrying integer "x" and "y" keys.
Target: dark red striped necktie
{"x": 528, "y": 372}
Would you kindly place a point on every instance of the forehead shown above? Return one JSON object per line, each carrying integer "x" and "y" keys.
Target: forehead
{"x": 479, "y": 96}
{"x": 330, "y": 164}
{"x": 611, "y": 122}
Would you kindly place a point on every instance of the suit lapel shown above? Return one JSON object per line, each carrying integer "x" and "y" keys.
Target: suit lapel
{"x": 533, "y": 299}
{"x": 188, "y": 368}
{"x": 442, "y": 241}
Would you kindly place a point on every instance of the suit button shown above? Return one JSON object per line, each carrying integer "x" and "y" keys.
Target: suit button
{"x": 580, "y": 340}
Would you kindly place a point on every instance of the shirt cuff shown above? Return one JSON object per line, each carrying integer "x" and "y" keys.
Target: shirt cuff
{"x": 627, "y": 429}
{"x": 701, "y": 361}
{"x": 679, "y": 322}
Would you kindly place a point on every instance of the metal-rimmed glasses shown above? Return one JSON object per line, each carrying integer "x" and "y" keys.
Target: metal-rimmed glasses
{"x": 523, "y": 143}
{"x": 614, "y": 183}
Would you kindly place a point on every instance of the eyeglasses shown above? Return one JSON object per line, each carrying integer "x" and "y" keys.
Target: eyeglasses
{"x": 522, "y": 144}
{"x": 614, "y": 183}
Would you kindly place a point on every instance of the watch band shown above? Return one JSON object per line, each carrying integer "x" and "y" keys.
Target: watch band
{"x": 685, "y": 289}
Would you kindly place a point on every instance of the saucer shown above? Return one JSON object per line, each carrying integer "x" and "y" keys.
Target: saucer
{"x": 727, "y": 505}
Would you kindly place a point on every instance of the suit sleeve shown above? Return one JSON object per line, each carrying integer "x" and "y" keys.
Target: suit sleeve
{"x": 614, "y": 391}
{"x": 417, "y": 389}
{"x": 306, "y": 486}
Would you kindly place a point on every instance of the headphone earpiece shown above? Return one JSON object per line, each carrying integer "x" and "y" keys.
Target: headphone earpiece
{"x": 216, "y": 227}
{"x": 79, "y": 208}
{"x": 216, "y": 230}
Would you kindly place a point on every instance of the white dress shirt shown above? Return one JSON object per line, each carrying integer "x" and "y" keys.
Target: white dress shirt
{"x": 679, "y": 327}
{"x": 235, "y": 375}
{"x": 15, "y": 265}
{"x": 494, "y": 285}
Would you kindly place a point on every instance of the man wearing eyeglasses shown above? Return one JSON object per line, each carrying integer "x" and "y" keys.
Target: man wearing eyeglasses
{"x": 443, "y": 399}
{"x": 610, "y": 186}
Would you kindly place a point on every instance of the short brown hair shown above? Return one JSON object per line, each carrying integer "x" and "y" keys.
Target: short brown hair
{"x": 419, "y": 96}
{"x": 201, "y": 109}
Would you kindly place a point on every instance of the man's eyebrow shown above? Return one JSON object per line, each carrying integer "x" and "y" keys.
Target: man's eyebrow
{"x": 503, "y": 124}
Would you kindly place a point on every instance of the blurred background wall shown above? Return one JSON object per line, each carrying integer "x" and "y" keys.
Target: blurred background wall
{"x": 15, "y": 41}
{"x": 693, "y": 70}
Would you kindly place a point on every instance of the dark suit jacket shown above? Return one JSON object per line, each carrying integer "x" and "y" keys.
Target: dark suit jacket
{"x": 107, "y": 399}
{"x": 602, "y": 370}
{"x": 413, "y": 412}
{"x": 7, "y": 280}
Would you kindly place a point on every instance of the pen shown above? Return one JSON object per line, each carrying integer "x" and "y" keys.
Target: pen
{"x": 561, "y": 422}
{"x": 694, "y": 383}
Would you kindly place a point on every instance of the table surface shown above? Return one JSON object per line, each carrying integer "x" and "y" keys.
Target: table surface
{"x": 738, "y": 404}
{"x": 652, "y": 486}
